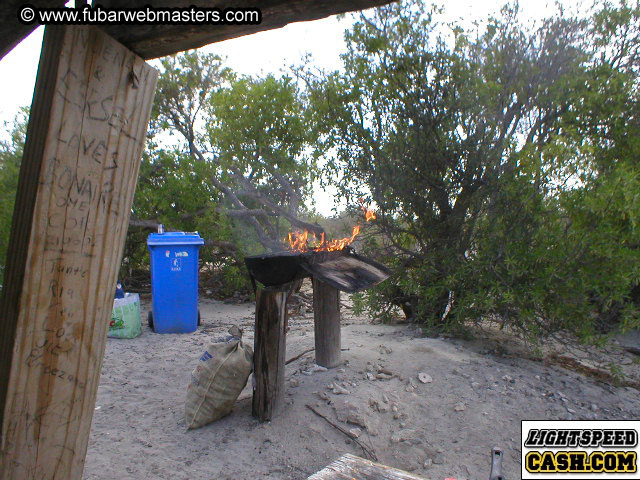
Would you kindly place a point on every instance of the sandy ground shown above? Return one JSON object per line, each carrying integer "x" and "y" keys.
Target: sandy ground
{"x": 475, "y": 397}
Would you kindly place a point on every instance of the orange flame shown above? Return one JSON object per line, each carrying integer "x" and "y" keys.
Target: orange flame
{"x": 299, "y": 241}
{"x": 369, "y": 214}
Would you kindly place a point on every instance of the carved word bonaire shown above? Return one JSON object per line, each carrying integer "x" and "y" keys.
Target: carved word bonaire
{"x": 78, "y": 191}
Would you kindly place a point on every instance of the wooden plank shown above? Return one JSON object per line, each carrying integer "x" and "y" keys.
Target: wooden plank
{"x": 269, "y": 351}
{"x": 348, "y": 273}
{"x": 82, "y": 155}
{"x": 351, "y": 467}
{"x": 151, "y": 41}
{"x": 26, "y": 198}
{"x": 326, "y": 325}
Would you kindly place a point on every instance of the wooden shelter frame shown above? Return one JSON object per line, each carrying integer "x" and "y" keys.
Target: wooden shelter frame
{"x": 85, "y": 137}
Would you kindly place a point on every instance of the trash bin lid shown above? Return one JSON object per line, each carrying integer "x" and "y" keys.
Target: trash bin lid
{"x": 175, "y": 238}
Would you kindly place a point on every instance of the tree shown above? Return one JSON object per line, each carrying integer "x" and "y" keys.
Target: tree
{"x": 250, "y": 132}
{"x": 10, "y": 159}
{"x": 465, "y": 143}
{"x": 603, "y": 129}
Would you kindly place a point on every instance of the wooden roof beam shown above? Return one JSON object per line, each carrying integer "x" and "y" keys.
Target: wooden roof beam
{"x": 11, "y": 30}
{"x": 151, "y": 41}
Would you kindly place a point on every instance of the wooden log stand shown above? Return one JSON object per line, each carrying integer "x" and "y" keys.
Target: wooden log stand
{"x": 326, "y": 315}
{"x": 79, "y": 170}
{"x": 269, "y": 350}
{"x": 331, "y": 272}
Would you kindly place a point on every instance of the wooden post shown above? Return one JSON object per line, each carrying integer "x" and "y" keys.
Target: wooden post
{"x": 326, "y": 315}
{"x": 81, "y": 159}
{"x": 269, "y": 350}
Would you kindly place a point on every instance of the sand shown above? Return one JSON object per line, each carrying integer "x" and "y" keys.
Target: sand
{"x": 475, "y": 395}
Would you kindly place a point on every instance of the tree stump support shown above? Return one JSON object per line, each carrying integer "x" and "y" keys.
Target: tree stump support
{"x": 326, "y": 314}
{"x": 269, "y": 350}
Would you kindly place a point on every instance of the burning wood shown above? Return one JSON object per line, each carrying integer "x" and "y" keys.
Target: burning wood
{"x": 305, "y": 241}
{"x": 333, "y": 262}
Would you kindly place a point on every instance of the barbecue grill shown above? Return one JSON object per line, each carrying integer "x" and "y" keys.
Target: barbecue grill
{"x": 343, "y": 269}
{"x": 331, "y": 272}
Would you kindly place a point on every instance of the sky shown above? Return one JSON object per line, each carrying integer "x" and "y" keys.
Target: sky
{"x": 261, "y": 53}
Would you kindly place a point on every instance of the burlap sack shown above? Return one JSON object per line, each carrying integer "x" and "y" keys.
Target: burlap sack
{"x": 216, "y": 382}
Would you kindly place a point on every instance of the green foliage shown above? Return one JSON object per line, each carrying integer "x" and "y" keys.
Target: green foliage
{"x": 173, "y": 189}
{"x": 237, "y": 171}
{"x": 250, "y": 131}
{"x": 258, "y": 125}
{"x": 229, "y": 280}
{"x": 504, "y": 164}
{"x": 10, "y": 158}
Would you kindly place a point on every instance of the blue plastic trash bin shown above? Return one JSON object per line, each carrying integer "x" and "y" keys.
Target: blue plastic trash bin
{"x": 174, "y": 281}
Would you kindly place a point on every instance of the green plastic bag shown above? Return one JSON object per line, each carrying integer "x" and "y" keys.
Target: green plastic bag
{"x": 125, "y": 317}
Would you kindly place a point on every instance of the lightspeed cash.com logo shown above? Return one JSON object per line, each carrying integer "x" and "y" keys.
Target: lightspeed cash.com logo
{"x": 580, "y": 449}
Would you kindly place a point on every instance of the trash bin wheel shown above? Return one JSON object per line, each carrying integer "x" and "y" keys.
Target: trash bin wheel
{"x": 199, "y": 319}
{"x": 150, "y": 319}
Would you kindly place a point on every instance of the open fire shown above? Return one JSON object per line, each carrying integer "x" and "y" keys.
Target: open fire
{"x": 308, "y": 241}
{"x": 331, "y": 261}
